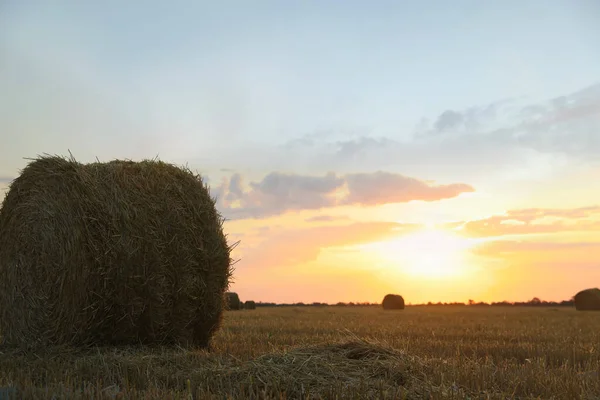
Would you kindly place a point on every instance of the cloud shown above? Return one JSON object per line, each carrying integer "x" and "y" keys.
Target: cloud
{"x": 510, "y": 139}
{"x": 510, "y": 247}
{"x": 449, "y": 158}
{"x": 278, "y": 193}
{"x": 235, "y": 187}
{"x": 325, "y": 218}
{"x": 448, "y": 120}
{"x": 532, "y": 221}
{"x": 6, "y": 179}
{"x": 530, "y": 214}
{"x": 566, "y": 124}
{"x": 384, "y": 188}
{"x": 287, "y": 247}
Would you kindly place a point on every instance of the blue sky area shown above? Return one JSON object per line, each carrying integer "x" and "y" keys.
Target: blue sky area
{"x": 305, "y": 87}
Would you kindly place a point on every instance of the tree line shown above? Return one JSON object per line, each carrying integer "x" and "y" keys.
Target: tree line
{"x": 535, "y": 302}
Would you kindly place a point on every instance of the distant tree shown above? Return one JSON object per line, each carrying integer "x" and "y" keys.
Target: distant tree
{"x": 535, "y": 301}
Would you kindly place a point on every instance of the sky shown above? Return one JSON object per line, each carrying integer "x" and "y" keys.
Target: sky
{"x": 444, "y": 151}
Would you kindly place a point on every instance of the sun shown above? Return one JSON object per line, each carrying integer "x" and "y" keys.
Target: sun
{"x": 429, "y": 253}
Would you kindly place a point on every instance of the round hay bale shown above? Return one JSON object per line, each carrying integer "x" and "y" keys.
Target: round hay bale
{"x": 250, "y": 305}
{"x": 113, "y": 253}
{"x": 233, "y": 301}
{"x": 393, "y": 302}
{"x": 588, "y": 300}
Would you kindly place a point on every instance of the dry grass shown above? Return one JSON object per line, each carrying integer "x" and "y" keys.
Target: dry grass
{"x": 429, "y": 352}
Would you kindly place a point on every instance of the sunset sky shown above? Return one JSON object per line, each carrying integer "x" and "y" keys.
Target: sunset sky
{"x": 445, "y": 151}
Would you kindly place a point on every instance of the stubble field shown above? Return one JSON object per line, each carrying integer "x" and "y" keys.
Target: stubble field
{"x": 340, "y": 352}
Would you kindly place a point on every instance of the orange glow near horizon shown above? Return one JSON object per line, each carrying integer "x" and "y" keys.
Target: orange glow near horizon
{"x": 427, "y": 254}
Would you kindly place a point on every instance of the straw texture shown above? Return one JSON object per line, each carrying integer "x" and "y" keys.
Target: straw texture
{"x": 110, "y": 253}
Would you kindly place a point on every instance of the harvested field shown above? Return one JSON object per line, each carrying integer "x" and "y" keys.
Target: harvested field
{"x": 350, "y": 352}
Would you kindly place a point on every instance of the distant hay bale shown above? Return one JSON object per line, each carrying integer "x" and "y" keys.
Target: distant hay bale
{"x": 588, "y": 300}
{"x": 113, "y": 253}
{"x": 250, "y": 305}
{"x": 393, "y": 302}
{"x": 233, "y": 301}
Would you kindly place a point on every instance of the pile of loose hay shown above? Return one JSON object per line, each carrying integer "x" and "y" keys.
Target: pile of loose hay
{"x": 250, "y": 305}
{"x": 393, "y": 302}
{"x": 588, "y": 300}
{"x": 110, "y": 254}
{"x": 352, "y": 368}
{"x": 348, "y": 367}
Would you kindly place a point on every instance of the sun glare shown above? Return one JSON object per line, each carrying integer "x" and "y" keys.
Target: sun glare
{"x": 428, "y": 253}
